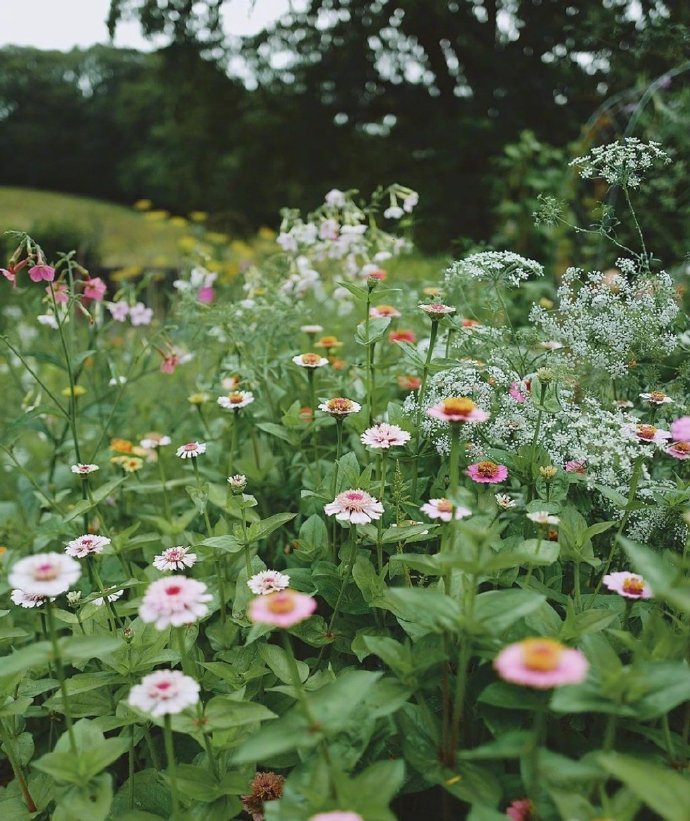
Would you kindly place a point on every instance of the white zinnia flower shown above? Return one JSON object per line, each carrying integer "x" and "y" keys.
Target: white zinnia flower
{"x": 165, "y": 692}
{"x": 83, "y": 470}
{"x": 174, "y": 558}
{"x": 191, "y": 450}
{"x": 268, "y": 581}
{"x": 44, "y": 574}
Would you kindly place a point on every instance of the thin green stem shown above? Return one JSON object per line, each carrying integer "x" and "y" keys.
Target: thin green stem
{"x": 57, "y": 657}
{"x": 8, "y": 744}
{"x": 420, "y": 405}
{"x": 172, "y": 773}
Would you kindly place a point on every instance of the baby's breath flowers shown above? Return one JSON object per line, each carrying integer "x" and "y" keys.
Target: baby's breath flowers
{"x": 283, "y": 608}
{"x": 44, "y": 574}
{"x": 444, "y": 510}
{"x": 340, "y": 406}
{"x": 543, "y": 517}
{"x": 628, "y": 585}
{"x": 457, "y": 409}
{"x": 656, "y": 398}
{"x": 174, "y": 558}
{"x": 541, "y": 663}
{"x": 500, "y": 267}
{"x": 384, "y": 435}
{"x": 268, "y": 581}
{"x": 86, "y": 545}
{"x": 83, "y": 470}
{"x": 236, "y": 400}
{"x": 174, "y": 601}
{"x": 191, "y": 450}
{"x": 355, "y": 506}
{"x": 310, "y": 360}
{"x": 487, "y": 472}
{"x": 164, "y": 692}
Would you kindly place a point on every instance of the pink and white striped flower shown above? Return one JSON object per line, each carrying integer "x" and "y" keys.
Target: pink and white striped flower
{"x": 310, "y": 360}
{"x": 268, "y": 581}
{"x": 164, "y": 692}
{"x": 86, "y": 545}
{"x": 44, "y": 574}
{"x": 84, "y": 470}
{"x": 355, "y": 506}
{"x": 26, "y": 600}
{"x": 384, "y": 435}
{"x": 443, "y": 509}
{"x": 191, "y": 450}
{"x": 174, "y": 558}
{"x": 174, "y": 601}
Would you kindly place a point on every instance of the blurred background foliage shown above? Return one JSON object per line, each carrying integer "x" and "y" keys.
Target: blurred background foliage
{"x": 477, "y": 104}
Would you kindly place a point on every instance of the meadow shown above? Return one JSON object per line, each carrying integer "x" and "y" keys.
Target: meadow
{"x": 324, "y": 530}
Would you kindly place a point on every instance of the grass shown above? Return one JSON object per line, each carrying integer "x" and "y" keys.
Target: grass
{"x": 124, "y": 236}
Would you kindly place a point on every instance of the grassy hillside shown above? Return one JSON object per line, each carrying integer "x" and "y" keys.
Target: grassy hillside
{"x": 123, "y": 236}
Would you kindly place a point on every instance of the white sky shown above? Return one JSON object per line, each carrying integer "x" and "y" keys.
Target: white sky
{"x": 63, "y": 24}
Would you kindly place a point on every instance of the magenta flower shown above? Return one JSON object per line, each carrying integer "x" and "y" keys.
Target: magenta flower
{"x": 443, "y": 509}
{"x": 516, "y": 392}
{"x": 355, "y": 506}
{"x": 457, "y": 409}
{"x": 94, "y": 288}
{"x": 576, "y": 466}
{"x": 541, "y": 663}
{"x": 59, "y": 291}
{"x": 629, "y": 585}
{"x": 646, "y": 434}
{"x": 680, "y": 429}
{"x": 41, "y": 271}
{"x": 520, "y": 810}
{"x": 283, "y": 608}
{"x": 206, "y": 295}
{"x": 487, "y": 472}
{"x": 13, "y": 268}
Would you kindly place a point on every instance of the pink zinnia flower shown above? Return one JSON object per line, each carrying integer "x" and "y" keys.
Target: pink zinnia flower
{"x": 520, "y": 810}
{"x": 408, "y": 382}
{"x": 45, "y": 574}
{"x": 283, "y": 608}
{"x": 487, "y": 472}
{"x": 443, "y": 509}
{"x": 646, "y": 434}
{"x": 340, "y": 406}
{"x": 457, "y": 409}
{"x": 656, "y": 398}
{"x": 174, "y": 601}
{"x": 174, "y": 558}
{"x": 26, "y": 600}
{"x": 169, "y": 363}
{"x": 541, "y": 663}
{"x": 680, "y": 429}
{"x": 402, "y": 336}
{"x": 355, "y": 506}
{"x": 84, "y": 470}
{"x": 437, "y": 310}
{"x": 268, "y": 581}
{"x": 337, "y": 815}
{"x": 41, "y": 271}
{"x": 86, "y": 545}
{"x": 383, "y": 311}
{"x": 385, "y": 436}
{"x": 94, "y": 288}
{"x": 516, "y": 393}
{"x": 191, "y": 450}
{"x": 165, "y": 692}
{"x": 679, "y": 450}
{"x": 629, "y": 585}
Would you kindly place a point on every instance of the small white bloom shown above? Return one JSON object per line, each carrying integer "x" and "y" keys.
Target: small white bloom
{"x": 86, "y": 545}
{"x": 114, "y": 596}
{"x": 174, "y": 558}
{"x": 84, "y": 470}
{"x": 191, "y": 450}
{"x": 49, "y": 320}
{"x": 117, "y": 380}
{"x": 543, "y": 517}
{"x": 335, "y": 198}
{"x": 26, "y": 599}
{"x": 268, "y": 581}
{"x": 165, "y": 692}
{"x": 656, "y": 398}
{"x": 139, "y": 314}
{"x": 236, "y": 400}
{"x": 45, "y": 574}
{"x": 394, "y": 212}
{"x": 310, "y": 360}
{"x": 311, "y": 329}
{"x": 238, "y": 482}
{"x": 505, "y": 501}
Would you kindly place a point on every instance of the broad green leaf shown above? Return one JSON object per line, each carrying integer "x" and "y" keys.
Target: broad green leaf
{"x": 664, "y": 791}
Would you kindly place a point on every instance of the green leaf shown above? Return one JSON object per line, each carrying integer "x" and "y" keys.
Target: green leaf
{"x": 226, "y": 544}
{"x": 662, "y": 790}
{"x": 275, "y": 430}
{"x": 83, "y": 648}
{"x": 428, "y": 608}
{"x": 90, "y": 802}
{"x": 262, "y": 529}
{"x": 497, "y": 610}
{"x": 35, "y": 655}
{"x": 372, "y": 330}
{"x": 276, "y": 658}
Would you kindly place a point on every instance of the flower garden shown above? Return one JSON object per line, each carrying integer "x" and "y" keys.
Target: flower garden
{"x": 328, "y": 541}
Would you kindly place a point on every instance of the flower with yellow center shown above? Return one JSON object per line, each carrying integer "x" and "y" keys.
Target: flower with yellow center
{"x": 77, "y": 391}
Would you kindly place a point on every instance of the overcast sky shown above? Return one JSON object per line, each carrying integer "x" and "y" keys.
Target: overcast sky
{"x": 63, "y": 24}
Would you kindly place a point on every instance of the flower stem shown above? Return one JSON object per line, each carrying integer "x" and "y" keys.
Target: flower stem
{"x": 57, "y": 657}
{"x": 172, "y": 774}
{"x": 314, "y": 432}
{"x": 348, "y": 573}
{"x": 382, "y": 490}
{"x": 8, "y": 744}
{"x": 420, "y": 406}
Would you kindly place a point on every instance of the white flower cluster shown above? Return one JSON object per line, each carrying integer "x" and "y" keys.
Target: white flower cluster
{"x": 606, "y": 321}
{"x": 501, "y": 267}
{"x": 625, "y": 162}
{"x": 342, "y": 232}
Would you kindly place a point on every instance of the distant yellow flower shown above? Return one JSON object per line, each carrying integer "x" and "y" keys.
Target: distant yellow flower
{"x": 178, "y": 222}
{"x": 78, "y": 391}
{"x": 328, "y": 342}
{"x": 157, "y": 216}
{"x": 130, "y": 464}
{"x": 198, "y": 216}
{"x": 266, "y": 233}
{"x": 217, "y": 238}
{"x": 128, "y": 272}
{"x": 198, "y": 398}
{"x": 121, "y": 445}
{"x": 432, "y": 292}
{"x": 3, "y": 550}
{"x": 142, "y": 205}
{"x": 546, "y": 303}
{"x": 186, "y": 243}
